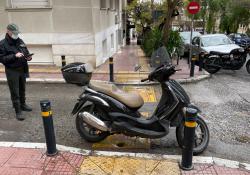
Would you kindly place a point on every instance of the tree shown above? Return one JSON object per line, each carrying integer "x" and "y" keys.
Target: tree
{"x": 230, "y": 13}
{"x": 171, "y": 7}
{"x": 235, "y": 16}
{"x": 141, "y": 15}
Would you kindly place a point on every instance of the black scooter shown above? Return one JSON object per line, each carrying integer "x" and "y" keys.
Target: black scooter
{"x": 103, "y": 109}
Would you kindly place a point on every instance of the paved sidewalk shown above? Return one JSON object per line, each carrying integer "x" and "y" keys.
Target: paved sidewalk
{"x": 72, "y": 161}
{"x": 124, "y": 69}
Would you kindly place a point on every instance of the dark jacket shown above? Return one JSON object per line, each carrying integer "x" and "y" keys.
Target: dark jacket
{"x": 8, "y": 49}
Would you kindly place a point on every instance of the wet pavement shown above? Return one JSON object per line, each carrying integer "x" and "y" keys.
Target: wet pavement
{"x": 224, "y": 100}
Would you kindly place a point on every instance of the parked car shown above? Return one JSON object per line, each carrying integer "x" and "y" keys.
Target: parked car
{"x": 241, "y": 39}
{"x": 213, "y": 42}
{"x": 186, "y": 40}
{"x": 217, "y": 51}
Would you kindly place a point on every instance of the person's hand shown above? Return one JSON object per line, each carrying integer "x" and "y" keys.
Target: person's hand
{"x": 19, "y": 55}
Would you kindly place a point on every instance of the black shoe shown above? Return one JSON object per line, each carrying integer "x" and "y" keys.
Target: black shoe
{"x": 19, "y": 116}
{"x": 25, "y": 107}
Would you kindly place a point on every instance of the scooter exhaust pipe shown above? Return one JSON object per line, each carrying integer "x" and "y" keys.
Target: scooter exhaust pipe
{"x": 93, "y": 121}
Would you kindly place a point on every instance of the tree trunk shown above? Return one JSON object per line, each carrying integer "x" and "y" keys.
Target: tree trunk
{"x": 167, "y": 26}
{"x": 152, "y": 10}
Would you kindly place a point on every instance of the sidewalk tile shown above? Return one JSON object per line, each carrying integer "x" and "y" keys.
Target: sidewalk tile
{"x": 229, "y": 171}
{"x": 19, "y": 171}
{"x": 166, "y": 168}
{"x": 23, "y": 161}
{"x": 96, "y": 165}
{"x": 201, "y": 169}
{"x": 90, "y": 167}
{"x": 130, "y": 166}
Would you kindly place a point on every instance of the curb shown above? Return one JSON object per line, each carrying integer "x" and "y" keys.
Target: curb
{"x": 60, "y": 81}
{"x": 196, "y": 159}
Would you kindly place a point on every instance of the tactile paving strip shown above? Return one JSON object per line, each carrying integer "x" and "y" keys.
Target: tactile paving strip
{"x": 96, "y": 165}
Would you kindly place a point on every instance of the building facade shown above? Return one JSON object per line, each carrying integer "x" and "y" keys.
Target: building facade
{"x": 82, "y": 30}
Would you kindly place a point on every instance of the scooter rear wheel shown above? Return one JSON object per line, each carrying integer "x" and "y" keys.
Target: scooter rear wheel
{"x": 88, "y": 132}
{"x": 201, "y": 136}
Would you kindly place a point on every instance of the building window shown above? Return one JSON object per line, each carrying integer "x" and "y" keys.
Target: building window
{"x": 112, "y": 4}
{"x": 104, "y": 48}
{"x": 112, "y": 41}
{"x": 104, "y": 4}
{"x": 29, "y": 3}
{"x": 117, "y": 5}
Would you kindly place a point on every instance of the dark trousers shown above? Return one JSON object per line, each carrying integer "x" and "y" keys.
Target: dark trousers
{"x": 16, "y": 81}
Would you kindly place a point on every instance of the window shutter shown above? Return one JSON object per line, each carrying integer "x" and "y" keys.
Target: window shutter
{"x": 29, "y": 3}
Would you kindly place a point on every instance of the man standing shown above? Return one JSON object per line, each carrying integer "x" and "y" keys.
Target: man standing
{"x": 13, "y": 54}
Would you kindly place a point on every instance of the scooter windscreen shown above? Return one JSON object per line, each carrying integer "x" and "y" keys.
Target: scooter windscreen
{"x": 160, "y": 57}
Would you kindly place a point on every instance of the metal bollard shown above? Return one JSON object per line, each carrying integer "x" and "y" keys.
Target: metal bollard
{"x": 192, "y": 65}
{"x": 111, "y": 69}
{"x": 48, "y": 128}
{"x": 63, "y": 60}
{"x": 200, "y": 63}
{"x": 189, "y": 133}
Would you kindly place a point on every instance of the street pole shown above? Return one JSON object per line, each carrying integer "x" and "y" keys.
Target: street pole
{"x": 191, "y": 36}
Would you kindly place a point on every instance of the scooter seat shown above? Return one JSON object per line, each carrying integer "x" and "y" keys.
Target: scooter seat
{"x": 131, "y": 99}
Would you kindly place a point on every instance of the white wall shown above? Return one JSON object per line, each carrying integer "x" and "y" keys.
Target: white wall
{"x": 99, "y": 38}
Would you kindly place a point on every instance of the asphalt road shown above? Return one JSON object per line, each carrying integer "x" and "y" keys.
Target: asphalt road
{"x": 224, "y": 100}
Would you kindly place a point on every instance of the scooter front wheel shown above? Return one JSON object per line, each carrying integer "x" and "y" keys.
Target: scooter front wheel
{"x": 248, "y": 66}
{"x": 201, "y": 136}
{"x": 88, "y": 132}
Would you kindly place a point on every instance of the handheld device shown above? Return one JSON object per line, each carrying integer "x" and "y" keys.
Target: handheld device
{"x": 28, "y": 57}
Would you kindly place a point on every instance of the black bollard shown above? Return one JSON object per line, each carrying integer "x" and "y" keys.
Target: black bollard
{"x": 63, "y": 60}
{"x": 200, "y": 62}
{"x": 111, "y": 69}
{"x": 189, "y": 133}
{"x": 192, "y": 65}
{"x": 48, "y": 127}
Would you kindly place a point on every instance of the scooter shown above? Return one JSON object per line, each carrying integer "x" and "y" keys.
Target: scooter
{"x": 104, "y": 109}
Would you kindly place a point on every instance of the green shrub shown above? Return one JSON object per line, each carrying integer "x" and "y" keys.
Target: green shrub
{"x": 153, "y": 40}
{"x": 174, "y": 41}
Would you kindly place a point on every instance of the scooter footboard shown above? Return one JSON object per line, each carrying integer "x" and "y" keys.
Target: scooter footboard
{"x": 131, "y": 130}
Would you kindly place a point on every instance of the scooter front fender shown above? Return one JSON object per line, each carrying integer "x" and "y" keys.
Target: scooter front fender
{"x": 194, "y": 107}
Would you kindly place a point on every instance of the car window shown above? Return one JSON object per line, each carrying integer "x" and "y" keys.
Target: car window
{"x": 244, "y": 35}
{"x": 186, "y": 36}
{"x": 237, "y": 35}
{"x": 215, "y": 40}
{"x": 198, "y": 41}
{"x": 194, "y": 41}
